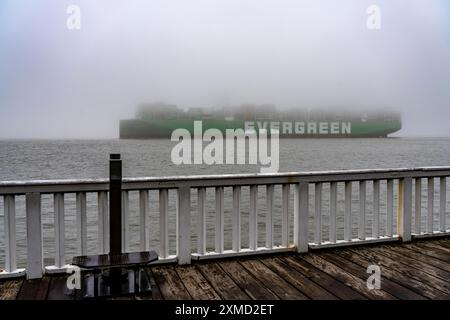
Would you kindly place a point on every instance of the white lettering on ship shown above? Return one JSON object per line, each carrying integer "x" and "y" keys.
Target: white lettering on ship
{"x": 300, "y": 127}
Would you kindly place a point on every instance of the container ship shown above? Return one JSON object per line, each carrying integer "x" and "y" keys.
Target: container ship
{"x": 159, "y": 120}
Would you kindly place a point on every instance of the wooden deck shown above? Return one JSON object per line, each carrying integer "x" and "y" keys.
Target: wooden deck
{"x": 420, "y": 270}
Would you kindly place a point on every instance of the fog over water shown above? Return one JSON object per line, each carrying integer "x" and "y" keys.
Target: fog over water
{"x": 60, "y": 83}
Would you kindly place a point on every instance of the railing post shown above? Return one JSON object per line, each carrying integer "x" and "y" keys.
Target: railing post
{"x": 10, "y": 233}
{"x": 404, "y": 208}
{"x": 184, "y": 225}
{"x": 103, "y": 222}
{"x": 115, "y": 204}
{"x": 219, "y": 220}
{"x": 301, "y": 216}
{"x": 236, "y": 219}
{"x": 201, "y": 224}
{"x": 81, "y": 222}
{"x": 163, "y": 223}
{"x": 144, "y": 220}
{"x": 34, "y": 236}
{"x": 58, "y": 204}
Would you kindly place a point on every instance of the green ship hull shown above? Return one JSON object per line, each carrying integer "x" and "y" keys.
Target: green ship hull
{"x": 161, "y": 128}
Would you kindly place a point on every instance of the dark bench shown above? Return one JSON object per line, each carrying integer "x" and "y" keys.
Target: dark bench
{"x": 110, "y": 275}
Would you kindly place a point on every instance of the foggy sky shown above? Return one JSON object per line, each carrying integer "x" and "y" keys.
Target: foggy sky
{"x": 57, "y": 83}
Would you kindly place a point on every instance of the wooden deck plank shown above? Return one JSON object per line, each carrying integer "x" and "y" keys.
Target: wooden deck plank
{"x": 277, "y": 284}
{"x": 196, "y": 284}
{"x": 221, "y": 282}
{"x": 298, "y": 280}
{"x": 432, "y": 250}
{"x": 417, "y": 270}
{"x": 9, "y": 289}
{"x": 34, "y": 289}
{"x": 414, "y": 254}
{"x": 58, "y": 290}
{"x": 346, "y": 277}
{"x": 435, "y": 245}
{"x": 323, "y": 279}
{"x": 394, "y": 275}
{"x": 170, "y": 284}
{"x": 254, "y": 289}
{"x": 359, "y": 271}
{"x": 403, "y": 257}
{"x": 404, "y": 268}
{"x": 445, "y": 242}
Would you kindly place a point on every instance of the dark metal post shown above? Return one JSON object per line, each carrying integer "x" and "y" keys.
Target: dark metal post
{"x": 115, "y": 204}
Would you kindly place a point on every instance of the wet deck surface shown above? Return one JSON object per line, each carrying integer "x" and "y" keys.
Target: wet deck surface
{"x": 420, "y": 270}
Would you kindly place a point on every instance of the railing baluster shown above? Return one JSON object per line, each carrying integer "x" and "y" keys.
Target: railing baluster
{"x": 430, "y": 205}
{"x": 125, "y": 220}
{"x": 362, "y": 210}
{"x": 285, "y": 216}
{"x": 269, "y": 217}
{"x": 58, "y": 204}
{"x": 376, "y": 209}
{"x": 81, "y": 222}
{"x": 144, "y": 223}
{"x": 301, "y": 216}
{"x": 219, "y": 220}
{"x": 418, "y": 205}
{"x": 333, "y": 207}
{"x": 201, "y": 224}
{"x": 318, "y": 213}
{"x": 163, "y": 223}
{"x": 404, "y": 208}
{"x": 442, "y": 200}
{"x": 253, "y": 241}
{"x": 103, "y": 224}
{"x": 9, "y": 203}
{"x": 348, "y": 211}
{"x": 184, "y": 225}
{"x": 236, "y": 245}
{"x": 34, "y": 236}
{"x": 389, "y": 207}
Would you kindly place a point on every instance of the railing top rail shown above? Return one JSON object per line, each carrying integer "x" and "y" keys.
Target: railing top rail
{"x": 95, "y": 185}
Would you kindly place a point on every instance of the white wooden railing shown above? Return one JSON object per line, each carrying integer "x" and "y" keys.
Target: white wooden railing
{"x": 313, "y": 227}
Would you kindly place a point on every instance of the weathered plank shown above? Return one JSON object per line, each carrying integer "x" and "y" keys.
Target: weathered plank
{"x": 411, "y": 253}
{"x": 391, "y": 252}
{"x": 406, "y": 269}
{"x": 444, "y": 243}
{"x": 170, "y": 284}
{"x": 255, "y": 289}
{"x": 387, "y": 285}
{"x": 394, "y": 275}
{"x": 277, "y": 284}
{"x": 34, "y": 289}
{"x": 324, "y": 280}
{"x": 197, "y": 286}
{"x": 346, "y": 278}
{"x": 221, "y": 282}
{"x": 298, "y": 280}
{"x": 58, "y": 290}
{"x": 432, "y": 249}
{"x": 9, "y": 289}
